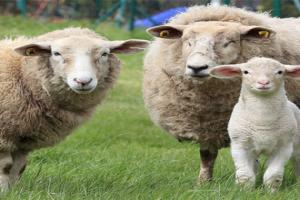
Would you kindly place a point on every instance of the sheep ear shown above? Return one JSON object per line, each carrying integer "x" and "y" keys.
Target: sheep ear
{"x": 167, "y": 32}
{"x": 292, "y": 71}
{"x": 256, "y": 32}
{"x": 225, "y": 71}
{"x": 34, "y": 50}
{"x": 128, "y": 46}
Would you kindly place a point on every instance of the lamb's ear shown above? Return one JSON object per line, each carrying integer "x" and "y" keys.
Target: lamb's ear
{"x": 127, "y": 46}
{"x": 167, "y": 32}
{"x": 34, "y": 50}
{"x": 292, "y": 71}
{"x": 257, "y": 32}
{"x": 225, "y": 71}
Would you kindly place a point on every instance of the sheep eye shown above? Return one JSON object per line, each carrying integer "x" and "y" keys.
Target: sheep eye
{"x": 280, "y": 72}
{"x": 104, "y": 54}
{"x": 190, "y": 44}
{"x": 56, "y": 53}
{"x": 228, "y": 43}
{"x": 245, "y": 72}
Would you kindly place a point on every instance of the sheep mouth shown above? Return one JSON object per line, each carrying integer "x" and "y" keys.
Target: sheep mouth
{"x": 200, "y": 75}
{"x": 83, "y": 90}
{"x": 264, "y": 88}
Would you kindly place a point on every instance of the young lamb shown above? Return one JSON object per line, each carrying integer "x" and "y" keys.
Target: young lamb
{"x": 263, "y": 121}
{"x": 49, "y": 86}
{"x": 179, "y": 94}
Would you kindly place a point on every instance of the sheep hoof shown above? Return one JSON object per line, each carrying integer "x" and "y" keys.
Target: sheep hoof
{"x": 204, "y": 176}
{"x": 274, "y": 185}
{"x": 245, "y": 181}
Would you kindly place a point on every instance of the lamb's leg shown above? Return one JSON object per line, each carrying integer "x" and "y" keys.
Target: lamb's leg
{"x": 6, "y": 163}
{"x": 244, "y": 162}
{"x": 275, "y": 167}
{"x": 19, "y": 164}
{"x": 208, "y": 158}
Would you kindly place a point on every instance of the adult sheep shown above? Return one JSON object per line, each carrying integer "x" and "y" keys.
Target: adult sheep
{"x": 49, "y": 85}
{"x": 178, "y": 93}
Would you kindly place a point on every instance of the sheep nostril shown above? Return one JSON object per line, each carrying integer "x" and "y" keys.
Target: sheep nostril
{"x": 197, "y": 69}
{"x": 82, "y": 81}
{"x": 264, "y": 82}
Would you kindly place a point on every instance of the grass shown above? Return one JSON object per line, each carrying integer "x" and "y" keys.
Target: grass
{"x": 119, "y": 153}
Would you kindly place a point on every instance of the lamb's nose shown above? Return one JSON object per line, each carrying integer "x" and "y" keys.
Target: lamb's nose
{"x": 197, "y": 69}
{"x": 263, "y": 82}
{"x": 83, "y": 81}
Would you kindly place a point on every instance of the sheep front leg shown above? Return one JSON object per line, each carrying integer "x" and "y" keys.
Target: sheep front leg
{"x": 244, "y": 162}
{"x": 275, "y": 167}
{"x": 208, "y": 158}
{"x": 6, "y": 163}
{"x": 19, "y": 164}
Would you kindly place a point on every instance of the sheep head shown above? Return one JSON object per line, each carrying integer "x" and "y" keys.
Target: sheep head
{"x": 81, "y": 62}
{"x": 259, "y": 75}
{"x": 211, "y": 43}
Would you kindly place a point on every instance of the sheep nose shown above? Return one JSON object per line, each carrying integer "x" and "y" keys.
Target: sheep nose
{"x": 197, "y": 69}
{"x": 83, "y": 81}
{"x": 263, "y": 82}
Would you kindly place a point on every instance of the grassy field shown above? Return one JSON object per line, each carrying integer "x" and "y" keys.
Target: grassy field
{"x": 120, "y": 154}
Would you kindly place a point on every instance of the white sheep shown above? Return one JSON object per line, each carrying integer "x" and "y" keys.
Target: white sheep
{"x": 49, "y": 86}
{"x": 263, "y": 121}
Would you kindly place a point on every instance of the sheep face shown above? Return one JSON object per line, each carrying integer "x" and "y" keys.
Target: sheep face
{"x": 207, "y": 44}
{"x": 261, "y": 76}
{"x": 81, "y": 62}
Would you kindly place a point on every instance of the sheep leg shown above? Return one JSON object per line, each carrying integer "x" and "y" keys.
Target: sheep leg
{"x": 244, "y": 162}
{"x": 19, "y": 164}
{"x": 6, "y": 163}
{"x": 208, "y": 158}
{"x": 275, "y": 167}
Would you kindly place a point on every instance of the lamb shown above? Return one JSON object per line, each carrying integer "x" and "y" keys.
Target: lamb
{"x": 263, "y": 120}
{"x": 50, "y": 85}
{"x": 180, "y": 96}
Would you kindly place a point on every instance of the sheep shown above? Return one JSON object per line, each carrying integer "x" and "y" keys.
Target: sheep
{"x": 178, "y": 93}
{"x": 50, "y": 85}
{"x": 263, "y": 121}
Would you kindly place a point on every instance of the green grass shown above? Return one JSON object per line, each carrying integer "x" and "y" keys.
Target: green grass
{"x": 119, "y": 153}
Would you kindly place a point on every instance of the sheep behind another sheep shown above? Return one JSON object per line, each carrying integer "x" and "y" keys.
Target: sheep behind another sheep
{"x": 179, "y": 94}
{"x": 51, "y": 86}
{"x": 263, "y": 120}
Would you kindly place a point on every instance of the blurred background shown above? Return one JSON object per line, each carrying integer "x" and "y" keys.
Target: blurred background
{"x": 132, "y": 13}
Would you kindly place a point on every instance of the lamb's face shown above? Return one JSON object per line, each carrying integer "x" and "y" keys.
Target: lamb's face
{"x": 81, "y": 62}
{"x": 208, "y": 44}
{"x": 259, "y": 75}
{"x": 262, "y": 75}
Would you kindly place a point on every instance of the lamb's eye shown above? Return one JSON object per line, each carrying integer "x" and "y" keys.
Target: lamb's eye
{"x": 280, "y": 72}
{"x": 105, "y": 54}
{"x": 190, "y": 44}
{"x": 245, "y": 72}
{"x": 228, "y": 43}
{"x": 56, "y": 53}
